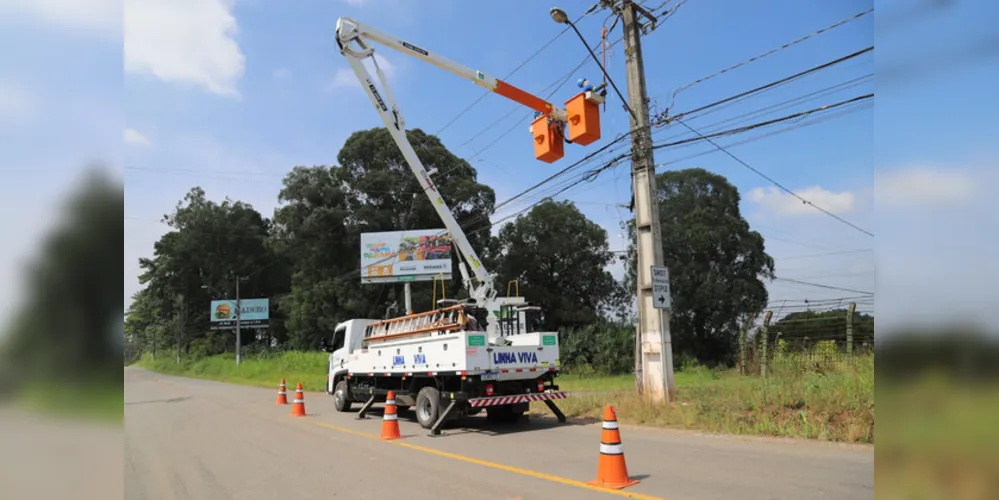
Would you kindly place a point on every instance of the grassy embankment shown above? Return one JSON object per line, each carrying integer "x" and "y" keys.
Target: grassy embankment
{"x": 835, "y": 405}
{"x": 97, "y": 402}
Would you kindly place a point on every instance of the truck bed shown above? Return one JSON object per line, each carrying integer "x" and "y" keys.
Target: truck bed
{"x": 468, "y": 353}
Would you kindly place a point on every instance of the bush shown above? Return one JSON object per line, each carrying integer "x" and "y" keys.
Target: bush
{"x": 606, "y": 348}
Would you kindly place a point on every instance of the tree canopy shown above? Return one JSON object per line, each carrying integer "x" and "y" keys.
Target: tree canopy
{"x": 305, "y": 259}
{"x": 559, "y": 259}
{"x": 716, "y": 264}
{"x": 65, "y": 330}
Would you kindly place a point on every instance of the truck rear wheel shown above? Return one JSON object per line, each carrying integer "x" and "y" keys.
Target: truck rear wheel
{"x": 341, "y": 400}
{"x": 428, "y": 406}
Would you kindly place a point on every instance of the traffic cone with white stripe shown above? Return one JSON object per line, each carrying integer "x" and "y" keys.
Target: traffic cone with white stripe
{"x": 611, "y": 471}
{"x": 282, "y": 397}
{"x": 390, "y": 420}
{"x": 298, "y": 406}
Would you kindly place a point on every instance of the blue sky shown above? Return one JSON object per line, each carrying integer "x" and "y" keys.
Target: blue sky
{"x": 229, "y": 95}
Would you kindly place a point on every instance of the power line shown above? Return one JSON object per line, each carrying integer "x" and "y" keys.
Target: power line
{"x": 747, "y": 128}
{"x": 811, "y": 96}
{"x": 779, "y": 185}
{"x": 796, "y": 125}
{"x": 563, "y": 171}
{"x": 770, "y": 52}
{"x": 592, "y": 173}
{"x": 515, "y": 70}
{"x": 821, "y": 302}
{"x": 827, "y": 254}
{"x": 832, "y": 89}
{"x": 664, "y": 117}
{"x": 565, "y": 79}
{"x": 820, "y": 285}
{"x": 589, "y": 176}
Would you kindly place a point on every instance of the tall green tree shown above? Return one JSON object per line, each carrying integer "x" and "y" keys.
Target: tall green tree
{"x": 717, "y": 264}
{"x": 67, "y": 330}
{"x": 314, "y": 231}
{"x": 210, "y": 245}
{"x": 559, "y": 258}
{"x": 325, "y": 209}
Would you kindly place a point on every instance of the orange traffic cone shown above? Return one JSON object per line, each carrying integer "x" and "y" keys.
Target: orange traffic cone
{"x": 611, "y": 471}
{"x": 298, "y": 406}
{"x": 390, "y": 420}
{"x": 282, "y": 398}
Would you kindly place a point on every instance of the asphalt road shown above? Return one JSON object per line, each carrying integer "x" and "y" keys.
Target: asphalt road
{"x": 196, "y": 439}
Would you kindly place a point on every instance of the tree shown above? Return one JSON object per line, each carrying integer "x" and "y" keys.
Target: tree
{"x": 717, "y": 264}
{"x": 559, "y": 258}
{"x": 325, "y": 209}
{"x": 66, "y": 331}
{"x": 313, "y": 231}
{"x": 384, "y": 195}
{"x": 210, "y": 246}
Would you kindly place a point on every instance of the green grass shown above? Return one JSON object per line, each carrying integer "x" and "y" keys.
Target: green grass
{"x": 939, "y": 438}
{"x": 89, "y": 402}
{"x": 307, "y": 368}
{"x": 834, "y": 404}
{"x": 612, "y": 383}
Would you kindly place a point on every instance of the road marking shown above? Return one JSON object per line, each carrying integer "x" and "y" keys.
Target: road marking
{"x": 493, "y": 465}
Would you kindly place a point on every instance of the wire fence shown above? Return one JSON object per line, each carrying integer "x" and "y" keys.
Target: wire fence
{"x": 810, "y": 340}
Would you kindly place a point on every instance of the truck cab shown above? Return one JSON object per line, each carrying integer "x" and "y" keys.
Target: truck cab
{"x": 347, "y": 337}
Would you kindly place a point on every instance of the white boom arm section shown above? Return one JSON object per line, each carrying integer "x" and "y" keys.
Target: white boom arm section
{"x": 350, "y": 32}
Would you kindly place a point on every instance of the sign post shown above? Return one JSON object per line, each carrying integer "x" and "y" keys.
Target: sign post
{"x": 663, "y": 303}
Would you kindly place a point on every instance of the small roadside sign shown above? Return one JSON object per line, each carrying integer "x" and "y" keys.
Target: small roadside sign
{"x": 660, "y": 288}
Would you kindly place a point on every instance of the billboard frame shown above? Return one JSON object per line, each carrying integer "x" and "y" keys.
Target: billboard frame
{"x": 380, "y": 256}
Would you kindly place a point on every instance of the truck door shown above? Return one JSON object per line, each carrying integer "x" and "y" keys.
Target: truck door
{"x": 338, "y": 358}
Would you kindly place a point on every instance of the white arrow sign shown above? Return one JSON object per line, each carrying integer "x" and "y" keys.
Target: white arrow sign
{"x": 660, "y": 288}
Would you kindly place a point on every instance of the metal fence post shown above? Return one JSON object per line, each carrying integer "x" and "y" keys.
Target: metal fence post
{"x": 849, "y": 332}
{"x": 763, "y": 334}
{"x": 742, "y": 348}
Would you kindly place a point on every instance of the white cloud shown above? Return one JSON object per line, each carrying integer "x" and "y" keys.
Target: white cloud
{"x": 923, "y": 186}
{"x": 15, "y": 103}
{"x": 345, "y": 77}
{"x": 777, "y": 201}
{"x": 135, "y": 137}
{"x": 184, "y": 41}
{"x": 100, "y": 14}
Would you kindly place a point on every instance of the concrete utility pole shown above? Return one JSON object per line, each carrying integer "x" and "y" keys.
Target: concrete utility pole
{"x": 653, "y": 356}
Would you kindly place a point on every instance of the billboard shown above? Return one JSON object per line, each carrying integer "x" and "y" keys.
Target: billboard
{"x": 395, "y": 256}
{"x": 255, "y": 313}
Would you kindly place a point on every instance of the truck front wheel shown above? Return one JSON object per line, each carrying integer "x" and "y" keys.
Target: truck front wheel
{"x": 428, "y": 406}
{"x": 341, "y": 400}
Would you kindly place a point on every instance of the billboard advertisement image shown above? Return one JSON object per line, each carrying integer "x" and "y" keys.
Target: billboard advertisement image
{"x": 255, "y": 313}
{"x": 416, "y": 255}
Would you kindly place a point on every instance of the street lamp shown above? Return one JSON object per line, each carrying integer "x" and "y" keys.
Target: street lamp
{"x": 560, "y": 17}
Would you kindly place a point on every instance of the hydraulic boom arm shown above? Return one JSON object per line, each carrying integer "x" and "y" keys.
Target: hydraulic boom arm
{"x": 582, "y": 120}
{"x": 350, "y": 32}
